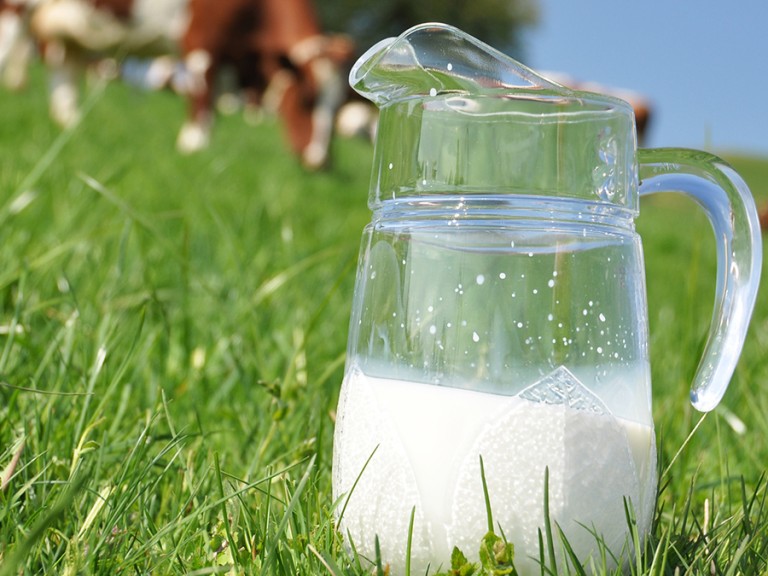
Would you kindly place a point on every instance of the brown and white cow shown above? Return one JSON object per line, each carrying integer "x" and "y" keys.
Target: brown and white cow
{"x": 259, "y": 39}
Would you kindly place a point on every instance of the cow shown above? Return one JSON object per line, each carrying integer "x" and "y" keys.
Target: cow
{"x": 258, "y": 39}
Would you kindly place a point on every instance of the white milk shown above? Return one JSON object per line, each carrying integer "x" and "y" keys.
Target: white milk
{"x": 427, "y": 441}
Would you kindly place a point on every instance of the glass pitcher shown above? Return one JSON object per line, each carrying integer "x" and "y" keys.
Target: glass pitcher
{"x": 499, "y": 329}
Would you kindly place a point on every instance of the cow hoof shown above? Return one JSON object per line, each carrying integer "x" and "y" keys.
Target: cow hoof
{"x": 15, "y": 81}
{"x": 314, "y": 157}
{"x": 160, "y": 73}
{"x": 66, "y": 119}
{"x": 192, "y": 138}
{"x": 357, "y": 119}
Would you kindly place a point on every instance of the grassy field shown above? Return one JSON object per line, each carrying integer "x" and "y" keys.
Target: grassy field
{"x": 172, "y": 336}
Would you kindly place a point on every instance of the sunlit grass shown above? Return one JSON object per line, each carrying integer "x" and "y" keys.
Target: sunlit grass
{"x": 172, "y": 336}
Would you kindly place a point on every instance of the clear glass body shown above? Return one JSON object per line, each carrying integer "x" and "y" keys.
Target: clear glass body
{"x": 492, "y": 327}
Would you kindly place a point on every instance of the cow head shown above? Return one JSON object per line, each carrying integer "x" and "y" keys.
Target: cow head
{"x": 315, "y": 88}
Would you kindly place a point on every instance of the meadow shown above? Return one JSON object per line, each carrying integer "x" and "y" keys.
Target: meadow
{"x": 172, "y": 339}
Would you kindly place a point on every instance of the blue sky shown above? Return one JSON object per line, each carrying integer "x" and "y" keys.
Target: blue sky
{"x": 702, "y": 63}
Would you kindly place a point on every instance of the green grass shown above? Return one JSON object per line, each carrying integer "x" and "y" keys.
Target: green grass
{"x": 172, "y": 336}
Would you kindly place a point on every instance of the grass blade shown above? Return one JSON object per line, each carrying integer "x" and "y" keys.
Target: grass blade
{"x": 486, "y": 497}
{"x": 225, "y": 514}
{"x": 287, "y": 514}
{"x": 354, "y": 485}
{"x": 548, "y": 524}
{"x": 409, "y": 542}
{"x": 575, "y": 562}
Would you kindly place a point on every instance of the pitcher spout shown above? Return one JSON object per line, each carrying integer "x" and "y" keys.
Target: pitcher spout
{"x": 434, "y": 58}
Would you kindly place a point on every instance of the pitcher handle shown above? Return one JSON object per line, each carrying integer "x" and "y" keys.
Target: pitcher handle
{"x": 731, "y": 210}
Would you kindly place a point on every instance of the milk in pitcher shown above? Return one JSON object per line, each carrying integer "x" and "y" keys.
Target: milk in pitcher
{"x": 407, "y": 446}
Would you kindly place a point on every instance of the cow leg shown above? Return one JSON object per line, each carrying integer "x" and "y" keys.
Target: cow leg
{"x": 15, "y": 50}
{"x": 195, "y": 133}
{"x": 307, "y": 122}
{"x": 253, "y": 88}
{"x": 64, "y": 75}
{"x": 315, "y": 154}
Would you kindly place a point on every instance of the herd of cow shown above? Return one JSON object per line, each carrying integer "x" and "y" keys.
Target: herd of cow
{"x": 275, "y": 50}
{"x": 263, "y": 43}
